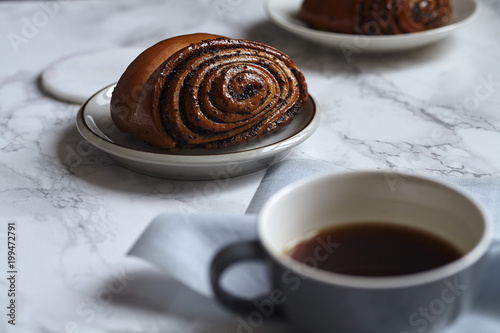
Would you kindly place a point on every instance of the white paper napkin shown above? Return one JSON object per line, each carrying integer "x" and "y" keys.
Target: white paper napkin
{"x": 184, "y": 245}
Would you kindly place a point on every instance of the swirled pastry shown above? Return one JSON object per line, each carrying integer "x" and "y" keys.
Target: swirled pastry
{"x": 207, "y": 91}
{"x": 375, "y": 17}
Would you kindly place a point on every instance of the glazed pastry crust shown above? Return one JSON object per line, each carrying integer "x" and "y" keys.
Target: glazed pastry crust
{"x": 207, "y": 91}
{"x": 376, "y": 17}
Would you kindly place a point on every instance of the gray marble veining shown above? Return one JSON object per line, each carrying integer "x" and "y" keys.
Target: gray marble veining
{"x": 434, "y": 110}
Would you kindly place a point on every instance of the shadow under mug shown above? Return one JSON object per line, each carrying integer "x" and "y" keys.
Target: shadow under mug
{"x": 321, "y": 301}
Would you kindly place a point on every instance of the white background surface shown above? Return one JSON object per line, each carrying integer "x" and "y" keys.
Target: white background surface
{"x": 434, "y": 111}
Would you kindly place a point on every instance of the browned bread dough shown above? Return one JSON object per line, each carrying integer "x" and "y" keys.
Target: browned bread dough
{"x": 203, "y": 90}
{"x": 375, "y": 17}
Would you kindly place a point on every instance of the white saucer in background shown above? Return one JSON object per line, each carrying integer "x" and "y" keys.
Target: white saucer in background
{"x": 284, "y": 13}
{"x": 76, "y": 77}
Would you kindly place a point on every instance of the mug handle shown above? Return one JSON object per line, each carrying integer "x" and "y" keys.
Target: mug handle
{"x": 250, "y": 250}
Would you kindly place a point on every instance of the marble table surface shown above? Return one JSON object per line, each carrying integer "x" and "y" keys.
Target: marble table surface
{"x": 434, "y": 110}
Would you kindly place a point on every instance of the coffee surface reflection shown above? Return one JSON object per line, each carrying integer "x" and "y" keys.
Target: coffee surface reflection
{"x": 374, "y": 249}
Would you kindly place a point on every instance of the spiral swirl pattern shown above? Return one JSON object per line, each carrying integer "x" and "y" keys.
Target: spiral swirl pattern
{"x": 385, "y": 17}
{"x": 224, "y": 91}
{"x": 376, "y": 17}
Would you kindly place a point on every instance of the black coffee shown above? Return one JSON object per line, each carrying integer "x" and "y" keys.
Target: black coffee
{"x": 374, "y": 249}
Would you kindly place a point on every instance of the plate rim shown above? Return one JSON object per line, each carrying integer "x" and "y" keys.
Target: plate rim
{"x": 339, "y": 37}
{"x": 124, "y": 152}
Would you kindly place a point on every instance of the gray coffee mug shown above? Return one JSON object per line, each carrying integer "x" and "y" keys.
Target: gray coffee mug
{"x": 321, "y": 301}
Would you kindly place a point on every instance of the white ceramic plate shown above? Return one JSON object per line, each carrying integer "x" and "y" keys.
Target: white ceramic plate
{"x": 285, "y": 14}
{"x": 95, "y": 124}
